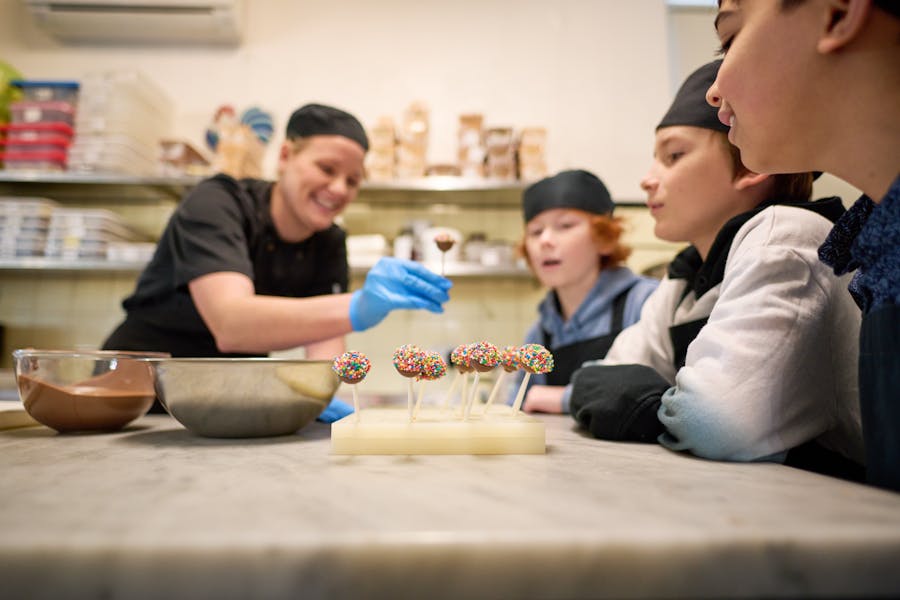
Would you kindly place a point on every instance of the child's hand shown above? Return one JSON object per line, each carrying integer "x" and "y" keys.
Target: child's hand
{"x": 544, "y": 399}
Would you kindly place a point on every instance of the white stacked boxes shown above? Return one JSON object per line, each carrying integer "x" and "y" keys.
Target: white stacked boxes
{"x": 122, "y": 117}
{"x": 77, "y": 233}
{"x": 412, "y": 146}
{"x": 532, "y": 153}
{"x": 23, "y": 226}
{"x": 501, "y": 153}
{"x": 470, "y": 140}
{"x": 382, "y": 155}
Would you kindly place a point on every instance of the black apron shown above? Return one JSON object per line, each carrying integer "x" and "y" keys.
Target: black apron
{"x": 569, "y": 358}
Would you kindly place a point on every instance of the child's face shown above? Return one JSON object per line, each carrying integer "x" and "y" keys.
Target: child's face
{"x": 767, "y": 83}
{"x": 690, "y": 186}
{"x": 561, "y": 247}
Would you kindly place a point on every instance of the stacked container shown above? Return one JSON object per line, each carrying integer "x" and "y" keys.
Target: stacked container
{"x": 122, "y": 116}
{"x": 80, "y": 233}
{"x": 41, "y": 126}
{"x": 23, "y": 226}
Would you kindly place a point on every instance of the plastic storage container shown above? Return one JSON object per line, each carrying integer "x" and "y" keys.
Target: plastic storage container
{"x": 53, "y": 131}
{"x": 13, "y": 144}
{"x": 37, "y": 90}
{"x": 33, "y": 161}
{"x": 42, "y": 112}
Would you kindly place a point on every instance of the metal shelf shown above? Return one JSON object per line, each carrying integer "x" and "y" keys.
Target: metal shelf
{"x": 40, "y": 264}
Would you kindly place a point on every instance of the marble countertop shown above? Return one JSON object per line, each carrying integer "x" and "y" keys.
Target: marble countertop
{"x": 154, "y": 511}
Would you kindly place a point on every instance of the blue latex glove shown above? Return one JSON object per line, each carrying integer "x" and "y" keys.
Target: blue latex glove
{"x": 396, "y": 283}
{"x": 338, "y": 409}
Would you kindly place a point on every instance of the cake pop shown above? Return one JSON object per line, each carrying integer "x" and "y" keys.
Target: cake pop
{"x": 433, "y": 368}
{"x": 509, "y": 361}
{"x": 460, "y": 358}
{"x": 444, "y": 242}
{"x": 351, "y": 368}
{"x": 485, "y": 357}
{"x": 408, "y": 360}
{"x": 533, "y": 358}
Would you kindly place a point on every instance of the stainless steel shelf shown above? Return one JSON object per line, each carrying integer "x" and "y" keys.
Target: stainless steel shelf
{"x": 36, "y": 264}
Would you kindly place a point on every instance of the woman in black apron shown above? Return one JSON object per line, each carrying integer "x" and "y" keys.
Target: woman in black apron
{"x": 572, "y": 244}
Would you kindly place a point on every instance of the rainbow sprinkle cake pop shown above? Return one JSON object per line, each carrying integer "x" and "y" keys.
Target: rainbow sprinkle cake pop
{"x": 408, "y": 360}
{"x": 461, "y": 357}
{"x": 509, "y": 360}
{"x": 485, "y": 356}
{"x": 534, "y": 358}
{"x": 433, "y": 368}
{"x": 352, "y": 367}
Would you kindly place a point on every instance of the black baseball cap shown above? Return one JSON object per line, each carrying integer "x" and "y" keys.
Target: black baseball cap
{"x": 320, "y": 119}
{"x": 690, "y": 106}
{"x": 577, "y": 189}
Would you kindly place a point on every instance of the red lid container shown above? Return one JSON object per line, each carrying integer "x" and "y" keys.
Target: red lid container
{"x": 38, "y": 131}
{"x": 56, "y": 144}
{"x": 34, "y": 161}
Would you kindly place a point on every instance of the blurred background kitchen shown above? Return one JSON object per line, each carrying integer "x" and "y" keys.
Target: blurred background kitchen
{"x": 465, "y": 102}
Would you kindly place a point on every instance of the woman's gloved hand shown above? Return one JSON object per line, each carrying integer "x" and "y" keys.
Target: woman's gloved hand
{"x": 396, "y": 283}
{"x": 337, "y": 409}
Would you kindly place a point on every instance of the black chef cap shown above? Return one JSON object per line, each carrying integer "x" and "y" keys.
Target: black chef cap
{"x": 318, "y": 119}
{"x": 567, "y": 189}
{"x": 690, "y": 106}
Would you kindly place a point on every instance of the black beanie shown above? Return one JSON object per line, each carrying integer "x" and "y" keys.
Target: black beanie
{"x": 690, "y": 106}
{"x": 567, "y": 189}
{"x": 318, "y": 119}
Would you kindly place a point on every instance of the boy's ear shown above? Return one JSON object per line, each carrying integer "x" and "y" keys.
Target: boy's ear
{"x": 748, "y": 179}
{"x": 841, "y": 23}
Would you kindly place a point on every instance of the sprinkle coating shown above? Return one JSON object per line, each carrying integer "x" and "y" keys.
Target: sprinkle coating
{"x": 351, "y": 367}
{"x": 461, "y": 357}
{"x": 534, "y": 358}
{"x": 408, "y": 360}
{"x": 509, "y": 359}
{"x": 433, "y": 367}
{"x": 485, "y": 356}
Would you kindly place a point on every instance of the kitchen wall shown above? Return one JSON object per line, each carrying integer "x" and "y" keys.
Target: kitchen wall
{"x": 594, "y": 72}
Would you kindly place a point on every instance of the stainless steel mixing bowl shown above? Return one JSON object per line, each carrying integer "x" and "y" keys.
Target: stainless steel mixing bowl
{"x": 244, "y": 397}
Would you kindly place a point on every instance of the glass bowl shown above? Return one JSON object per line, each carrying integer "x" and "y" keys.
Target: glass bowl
{"x": 85, "y": 390}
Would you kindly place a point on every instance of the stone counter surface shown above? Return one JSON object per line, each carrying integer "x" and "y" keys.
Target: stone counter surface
{"x": 154, "y": 511}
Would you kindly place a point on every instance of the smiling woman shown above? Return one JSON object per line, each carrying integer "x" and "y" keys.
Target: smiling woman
{"x": 245, "y": 267}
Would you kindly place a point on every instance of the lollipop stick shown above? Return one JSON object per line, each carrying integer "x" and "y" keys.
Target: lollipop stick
{"x": 494, "y": 392}
{"x": 355, "y": 404}
{"x": 517, "y": 406}
{"x": 464, "y": 394}
{"x": 471, "y": 400}
{"x": 452, "y": 389}
{"x": 443, "y": 256}
{"x": 418, "y": 400}
{"x": 409, "y": 397}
